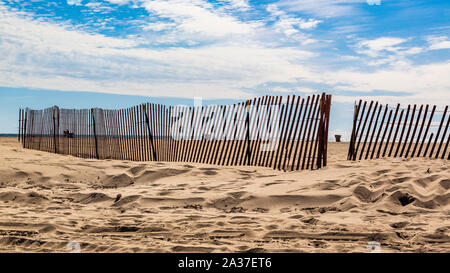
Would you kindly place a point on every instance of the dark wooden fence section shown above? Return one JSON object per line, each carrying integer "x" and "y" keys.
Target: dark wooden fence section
{"x": 282, "y": 133}
{"x": 383, "y": 131}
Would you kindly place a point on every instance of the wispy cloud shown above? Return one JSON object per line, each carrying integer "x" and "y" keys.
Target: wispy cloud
{"x": 47, "y": 55}
{"x": 200, "y": 48}
{"x": 74, "y": 2}
{"x": 438, "y": 42}
{"x": 198, "y": 17}
{"x": 374, "y": 48}
{"x": 323, "y": 8}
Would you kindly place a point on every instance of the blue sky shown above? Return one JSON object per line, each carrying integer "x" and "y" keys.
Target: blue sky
{"x": 117, "y": 53}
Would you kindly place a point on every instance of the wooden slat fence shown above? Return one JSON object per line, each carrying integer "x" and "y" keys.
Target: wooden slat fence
{"x": 384, "y": 131}
{"x": 289, "y": 133}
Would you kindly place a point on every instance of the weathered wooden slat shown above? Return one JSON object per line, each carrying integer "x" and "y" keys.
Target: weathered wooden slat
{"x": 396, "y": 133}
{"x": 231, "y": 150}
{"x": 319, "y": 126}
{"x": 414, "y": 131}
{"x": 351, "y": 149}
{"x": 216, "y": 134}
{"x": 140, "y": 133}
{"x": 426, "y": 131}
{"x": 130, "y": 139}
{"x": 202, "y": 138}
{"x": 327, "y": 127}
{"x": 183, "y": 131}
{"x": 310, "y": 138}
{"x": 211, "y": 134}
{"x": 438, "y": 132}
{"x": 20, "y": 117}
{"x": 374, "y": 130}
{"x": 430, "y": 140}
{"x": 446, "y": 147}
{"x": 240, "y": 138}
{"x": 206, "y": 136}
{"x": 403, "y": 131}
{"x": 362, "y": 130}
{"x": 198, "y": 116}
{"x": 259, "y": 127}
{"x": 137, "y": 154}
{"x": 166, "y": 132}
{"x": 443, "y": 138}
{"x": 121, "y": 134}
{"x": 199, "y": 131}
{"x": 368, "y": 130}
{"x": 291, "y": 137}
{"x": 170, "y": 112}
{"x": 307, "y": 110}
{"x": 307, "y": 126}
{"x": 158, "y": 133}
{"x": 229, "y": 123}
{"x": 252, "y": 138}
{"x": 277, "y": 132}
{"x": 384, "y": 133}
{"x": 128, "y": 134}
{"x": 95, "y": 133}
{"x": 391, "y": 130}
{"x": 284, "y": 130}
{"x": 405, "y": 142}
{"x": 267, "y": 129}
{"x": 189, "y": 133}
{"x": 359, "y": 116}
{"x": 380, "y": 128}
{"x": 154, "y": 126}
{"x": 163, "y": 132}
{"x": 106, "y": 136}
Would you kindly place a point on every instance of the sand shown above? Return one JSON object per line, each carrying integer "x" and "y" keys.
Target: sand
{"x": 48, "y": 201}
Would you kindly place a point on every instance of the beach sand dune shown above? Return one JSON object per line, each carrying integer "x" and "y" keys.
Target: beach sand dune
{"x": 48, "y": 200}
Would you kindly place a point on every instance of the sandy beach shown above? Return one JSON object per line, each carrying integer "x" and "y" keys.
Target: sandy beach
{"x": 48, "y": 200}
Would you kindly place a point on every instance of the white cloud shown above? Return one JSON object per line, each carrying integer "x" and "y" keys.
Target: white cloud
{"x": 97, "y": 6}
{"x": 301, "y": 89}
{"x": 373, "y": 48}
{"x": 438, "y": 42}
{"x": 119, "y": 2}
{"x": 46, "y": 55}
{"x": 158, "y": 26}
{"x": 427, "y": 83}
{"x": 74, "y": 2}
{"x": 323, "y": 8}
{"x": 290, "y": 25}
{"x": 387, "y": 51}
{"x": 198, "y": 17}
{"x": 309, "y": 24}
{"x": 238, "y": 4}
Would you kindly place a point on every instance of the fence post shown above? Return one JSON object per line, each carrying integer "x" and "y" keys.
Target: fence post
{"x": 95, "y": 133}
{"x": 150, "y": 136}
